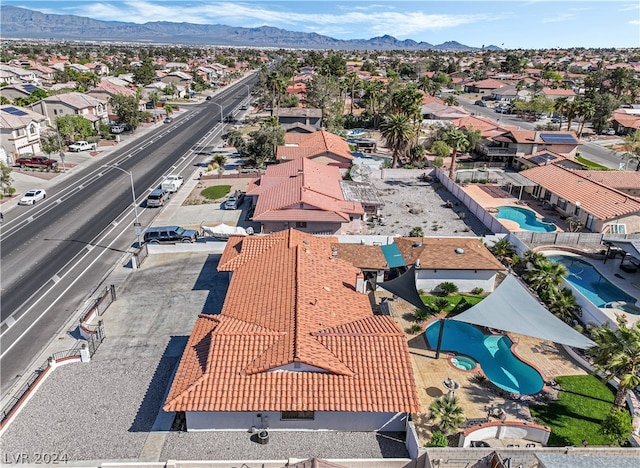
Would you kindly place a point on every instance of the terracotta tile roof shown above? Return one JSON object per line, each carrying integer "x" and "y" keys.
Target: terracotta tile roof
{"x": 627, "y": 120}
{"x": 315, "y": 144}
{"x": 487, "y": 127}
{"x": 302, "y": 190}
{"x": 440, "y": 253}
{"x": 529, "y": 136}
{"x": 557, "y": 92}
{"x": 614, "y": 179}
{"x": 489, "y": 83}
{"x": 595, "y": 198}
{"x": 294, "y": 305}
{"x": 366, "y": 257}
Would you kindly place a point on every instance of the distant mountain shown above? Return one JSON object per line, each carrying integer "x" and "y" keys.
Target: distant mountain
{"x": 21, "y": 23}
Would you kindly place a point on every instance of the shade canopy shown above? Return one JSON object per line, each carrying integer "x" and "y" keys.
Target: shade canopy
{"x": 404, "y": 286}
{"x": 513, "y": 309}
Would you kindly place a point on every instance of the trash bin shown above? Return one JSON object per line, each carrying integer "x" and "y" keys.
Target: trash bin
{"x": 263, "y": 437}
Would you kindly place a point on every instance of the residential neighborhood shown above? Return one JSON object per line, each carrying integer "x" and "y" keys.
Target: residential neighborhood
{"x": 382, "y": 258}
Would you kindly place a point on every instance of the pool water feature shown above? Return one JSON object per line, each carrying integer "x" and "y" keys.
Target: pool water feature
{"x": 525, "y": 218}
{"x": 587, "y": 279}
{"x": 491, "y": 351}
{"x": 463, "y": 363}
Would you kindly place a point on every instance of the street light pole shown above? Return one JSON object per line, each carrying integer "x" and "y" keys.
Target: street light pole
{"x": 136, "y": 224}
{"x": 220, "y": 106}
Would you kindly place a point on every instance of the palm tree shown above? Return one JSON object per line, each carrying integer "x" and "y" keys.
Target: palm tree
{"x": 571, "y": 111}
{"x": 398, "y": 132}
{"x": 451, "y": 100}
{"x": 448, "y": 413}
{"x": 617, "y": 354}
{"x": 372, "y": 97}
{"x": 457, "y": 140}
{"x": 586, "y": 111}
{"x": 563, "y": 305}
{"x": 503, "y": 250}
{"x": 560, "y": 106}
{"x": 545, "y": 277}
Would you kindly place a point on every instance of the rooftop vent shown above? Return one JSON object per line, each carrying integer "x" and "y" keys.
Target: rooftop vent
{"x": 459, "y": 250}
{"x": 417, "y": 244}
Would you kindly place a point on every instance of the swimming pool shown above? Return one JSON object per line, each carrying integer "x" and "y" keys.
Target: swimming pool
{"x": 585, "y": 278}
{"x": 493, "y": 353}
{"x": 526, "y": 219}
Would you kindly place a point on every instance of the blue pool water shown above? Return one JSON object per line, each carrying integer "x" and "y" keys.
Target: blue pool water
{"x": 493, "y": 353}
{"x": 525, "y": 218}
{"x": 585, "y": 278}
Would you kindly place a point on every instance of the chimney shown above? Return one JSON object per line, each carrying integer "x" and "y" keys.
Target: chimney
{"x": 536, "y": 137}
{"x": 360, "y": 285}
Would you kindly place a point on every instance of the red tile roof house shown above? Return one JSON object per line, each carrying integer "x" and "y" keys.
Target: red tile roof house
{"x": 552, "y": 93}
{"x": 625, "y": 121}
{"x": 574, "y": 193}
{"x": 305, "y": 195}
{"x": 295, "y": 347}
{"x": 321, "y": 146}
{"x": 484, "y": 86}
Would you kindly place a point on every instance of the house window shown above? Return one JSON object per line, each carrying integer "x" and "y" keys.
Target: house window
{"x": 618, "y": 228}
{"x": 301, "y": 224}
{"x": 297, "y": 415}
{"x": 32, "y": 129}
{"x": 562, "y": 204}
{"x": 547, "y": 195}
{"x": 536, "y": 191}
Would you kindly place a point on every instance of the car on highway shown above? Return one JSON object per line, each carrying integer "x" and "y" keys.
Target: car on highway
{"x": 32, "y": 196}
{"x": 480, "y": 103}
{"x": 168, "y": 119}
{"x": 169, "y": 234}
{"x": 172, "y": 183}
{"x": 157, "y": 198}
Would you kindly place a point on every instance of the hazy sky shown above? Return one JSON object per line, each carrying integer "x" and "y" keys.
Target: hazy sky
{"x": 508, "y": 23}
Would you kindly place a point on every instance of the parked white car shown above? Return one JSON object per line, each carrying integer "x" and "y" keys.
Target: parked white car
{"x": 82, "y": 146}
{"x": 32, "y": 196}
{"x": 172, "y": 183}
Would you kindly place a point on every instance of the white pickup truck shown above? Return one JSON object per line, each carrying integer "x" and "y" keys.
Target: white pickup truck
{"x": 82, "y": 146}
{"x": 172, "y": 183}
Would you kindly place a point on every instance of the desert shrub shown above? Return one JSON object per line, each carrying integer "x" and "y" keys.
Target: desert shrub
{"x": 438, "y": 439}
{"x": 447, "y": 287}
{"x": 416, "y": 232}
{"x": 617, "y": 426}
{"x": 416, "y": 328}
{"x": 477, "y": 291}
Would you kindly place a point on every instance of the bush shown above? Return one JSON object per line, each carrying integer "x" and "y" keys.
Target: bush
{"x": 477, "y": 291}
{"x": 440, "y": 303}
{"x": 447, "y": 288}
{"x": 421, "y": 315}
{"x": 415, "y": 328}
{"x": 438, "y": 439}
{"x": 438, "y": 162}
{"x": 617, "y": 426}
{"x": 416, "y": 232}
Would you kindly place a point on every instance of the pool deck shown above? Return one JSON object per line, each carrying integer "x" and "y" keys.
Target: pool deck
{"x": 492, "y": 196}
{"x": 476, "y": 400}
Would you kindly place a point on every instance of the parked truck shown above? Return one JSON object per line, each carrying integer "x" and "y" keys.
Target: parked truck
{"x": 172, "y": 183}
{"x": 37, "y": 161}
{"x": 82, "y": 146}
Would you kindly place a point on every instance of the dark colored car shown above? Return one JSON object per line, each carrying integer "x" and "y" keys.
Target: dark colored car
{"x": 209, "y": 98}
{"x": 169, "y": 234}
{"x": 480, "y": 103}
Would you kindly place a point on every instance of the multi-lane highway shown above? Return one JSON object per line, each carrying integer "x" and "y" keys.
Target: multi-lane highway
{"x": 55, "y": 253}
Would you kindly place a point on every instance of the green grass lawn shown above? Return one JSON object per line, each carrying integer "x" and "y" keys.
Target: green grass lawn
{"x": 453, "y": 300}
{"x": 591, "y": 164}
{"x": 582, "y": 404}
{"x": 216, "y": 192}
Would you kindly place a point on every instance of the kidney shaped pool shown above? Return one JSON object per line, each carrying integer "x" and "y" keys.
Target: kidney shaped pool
{"x": 493, "y": 353}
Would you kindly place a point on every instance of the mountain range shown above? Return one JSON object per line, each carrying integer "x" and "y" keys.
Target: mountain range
{"x": 22, "y": 23}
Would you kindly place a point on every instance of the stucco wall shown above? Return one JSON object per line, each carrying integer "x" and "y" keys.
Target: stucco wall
{"x": 466, "y": 280}
{"x": 327, "y": 420}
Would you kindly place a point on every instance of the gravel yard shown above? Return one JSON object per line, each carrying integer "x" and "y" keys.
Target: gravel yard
{"x": 412, "y": 203}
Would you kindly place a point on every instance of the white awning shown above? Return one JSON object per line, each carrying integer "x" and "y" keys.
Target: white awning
{"x": 513, "y": 309}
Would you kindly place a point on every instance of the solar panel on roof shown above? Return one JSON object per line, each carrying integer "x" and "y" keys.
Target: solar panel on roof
{"x": 543, "y": 158}
{"x": 14, "y": 111}
{"x": 29, "y": 88}
{"x": 557, "y": 138}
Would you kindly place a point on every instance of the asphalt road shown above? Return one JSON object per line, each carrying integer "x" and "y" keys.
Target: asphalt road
{"x": 592, "y": 151}
{"x": 55, "y": 253}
